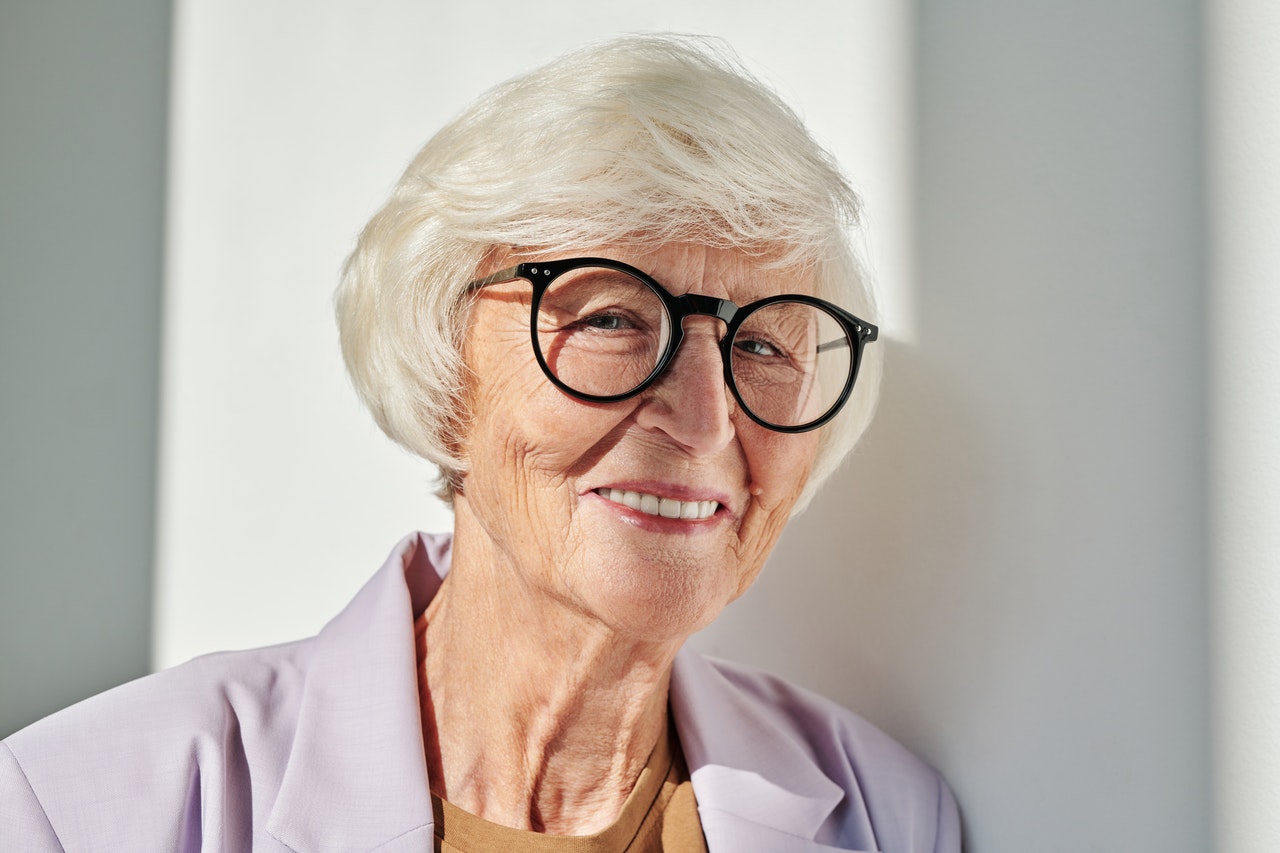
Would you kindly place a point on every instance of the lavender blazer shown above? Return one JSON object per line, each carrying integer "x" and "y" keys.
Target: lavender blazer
{"x": 316, "y": 746}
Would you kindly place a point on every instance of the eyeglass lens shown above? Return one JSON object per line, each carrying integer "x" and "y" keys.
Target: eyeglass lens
{"x": 601, "y": 332}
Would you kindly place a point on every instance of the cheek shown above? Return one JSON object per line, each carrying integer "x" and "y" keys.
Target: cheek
{"x": 779, "y": 463}
{"x": 524, "y": 427}
{"x": 779, "y": 466}
{"x": 501, "y": 370}
{"x": 509, "y": 487}
{"x": 522, "y": 431}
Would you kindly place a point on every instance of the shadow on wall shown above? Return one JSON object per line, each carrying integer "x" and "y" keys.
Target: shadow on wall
{"x": 867, "y": 591}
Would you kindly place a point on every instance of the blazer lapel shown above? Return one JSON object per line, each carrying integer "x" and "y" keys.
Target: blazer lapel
{"x": 356, "y": 776}
{"x": 756, "y": 789}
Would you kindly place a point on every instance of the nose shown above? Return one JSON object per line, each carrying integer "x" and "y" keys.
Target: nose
{"x": 690, "y": 401}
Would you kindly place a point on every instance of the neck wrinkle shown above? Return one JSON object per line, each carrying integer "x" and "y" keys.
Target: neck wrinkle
{"x": 535, "y": 716}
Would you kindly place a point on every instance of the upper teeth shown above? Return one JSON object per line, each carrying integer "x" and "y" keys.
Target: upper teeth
{"x": 665, "y": 507}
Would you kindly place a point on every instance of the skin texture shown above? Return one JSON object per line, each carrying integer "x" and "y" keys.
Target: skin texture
{"x": 550, "y": 644}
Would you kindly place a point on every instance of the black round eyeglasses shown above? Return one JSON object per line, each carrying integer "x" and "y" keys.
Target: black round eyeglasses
{"x": 604, "y": 331}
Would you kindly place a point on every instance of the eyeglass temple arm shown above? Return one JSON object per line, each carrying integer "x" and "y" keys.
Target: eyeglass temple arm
{"x": 494, "y": 278}
{"x": 866, "y": 332}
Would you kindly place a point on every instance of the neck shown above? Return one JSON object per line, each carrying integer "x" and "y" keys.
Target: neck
{"x": 536, "y": 715}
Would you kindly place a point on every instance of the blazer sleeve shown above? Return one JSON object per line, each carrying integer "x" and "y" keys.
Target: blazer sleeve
{"x": 23, "y": 823}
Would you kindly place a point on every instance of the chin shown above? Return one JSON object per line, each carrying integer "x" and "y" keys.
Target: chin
{"x": 660, "y": 600}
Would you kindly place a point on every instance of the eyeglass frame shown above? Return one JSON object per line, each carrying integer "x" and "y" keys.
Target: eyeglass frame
{"x": 540, "y": 274}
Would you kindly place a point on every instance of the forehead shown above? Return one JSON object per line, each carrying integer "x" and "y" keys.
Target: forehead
{"x": 724, "y": 273}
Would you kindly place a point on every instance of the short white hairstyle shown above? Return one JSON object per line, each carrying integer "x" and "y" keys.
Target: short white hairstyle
{"x": 639, "y": 142}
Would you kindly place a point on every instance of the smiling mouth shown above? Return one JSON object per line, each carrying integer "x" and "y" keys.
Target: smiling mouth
{"x": 663, "y": 507}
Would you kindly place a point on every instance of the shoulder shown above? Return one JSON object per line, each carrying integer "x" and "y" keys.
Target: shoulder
{"x": 888, "y": 798}
{"x": 218, "y": 724}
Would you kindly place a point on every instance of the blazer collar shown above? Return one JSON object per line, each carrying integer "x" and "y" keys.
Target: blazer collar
{"x": 752, "y": 782}
{"x": 356, "y": 777}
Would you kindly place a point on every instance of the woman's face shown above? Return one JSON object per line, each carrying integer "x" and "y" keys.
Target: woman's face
{"x": 551, "y": 476}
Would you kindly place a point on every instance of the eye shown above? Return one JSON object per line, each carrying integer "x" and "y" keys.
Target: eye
{"x": 607, "y": 322}
{"x": 756, "y": 347}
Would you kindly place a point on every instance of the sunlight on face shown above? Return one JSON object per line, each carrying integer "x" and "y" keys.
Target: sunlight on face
{"x": 648, "y": 515}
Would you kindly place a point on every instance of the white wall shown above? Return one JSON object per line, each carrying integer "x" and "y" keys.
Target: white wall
{"x": 290, "y": 123}
{"x": 1244, "y": 310}
{"x": 1010, "y": 576}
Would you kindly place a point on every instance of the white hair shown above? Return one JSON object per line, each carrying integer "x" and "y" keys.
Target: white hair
{"x": 639, "y": 142}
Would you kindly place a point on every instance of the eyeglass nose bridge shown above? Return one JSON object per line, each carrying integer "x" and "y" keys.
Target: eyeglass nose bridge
{"x": 693, "y": 304}
{"x": 698, "y": 305}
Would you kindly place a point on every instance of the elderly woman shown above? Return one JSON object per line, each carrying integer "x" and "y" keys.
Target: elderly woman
{"x": 615, "y": 303}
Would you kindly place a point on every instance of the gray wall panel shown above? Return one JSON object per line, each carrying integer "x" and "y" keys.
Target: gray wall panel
{"x": 83, "y": 90}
